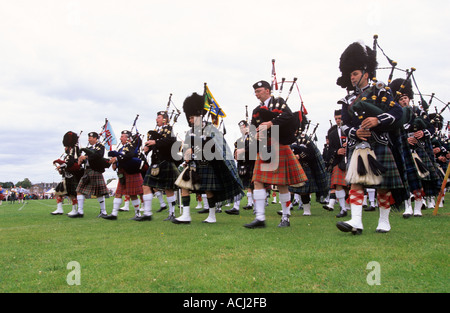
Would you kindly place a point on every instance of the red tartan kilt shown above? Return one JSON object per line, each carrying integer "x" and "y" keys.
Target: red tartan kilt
{"x": 338, "y": 177}
{"x": 286, "y": 172}
{"x": 133, "y": 185}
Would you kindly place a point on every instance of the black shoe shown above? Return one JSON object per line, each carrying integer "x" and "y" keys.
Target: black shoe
{"x": 232, "y": 211}
{"x": 110, "y": 217}
{"x": 345, "y": 227}
{"x": 171, "y": 217}
{"x": 326, "y": 207}
{"x": 256, "y": 224}
{"x": 102, "y": 215}
{"x": 405, "y": 216}
{"x": 248, "y": 207}
{"x": 381, "y": 231}
{"x": 78, "y": 215}
{"x": 284, "y": 223}
{"x": 53, "y": 213}
{"x": 142, "y": 218}
{"x": 162, "y": 208}
{"x": 342, "y": 214}
{"x": 370, "y": 209}
{"x": 203, "y": 211}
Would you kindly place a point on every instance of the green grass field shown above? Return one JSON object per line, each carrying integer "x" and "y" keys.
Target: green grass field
{"x": 311, "y": 256}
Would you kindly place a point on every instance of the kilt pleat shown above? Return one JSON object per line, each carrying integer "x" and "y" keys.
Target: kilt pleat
{"x": 132, "y": 186}
{"x": 285, "y": 170}
{"x": 337, "y": 178}
{"x": 165, "y": 180}
{"x": 92, "y": 183}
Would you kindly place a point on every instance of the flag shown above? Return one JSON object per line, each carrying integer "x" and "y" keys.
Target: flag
{"x": 108, "y": 134}
{"x": 211, "y": 104}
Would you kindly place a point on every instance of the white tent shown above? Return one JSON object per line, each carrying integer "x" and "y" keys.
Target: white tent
{"x": 50, "y": 191}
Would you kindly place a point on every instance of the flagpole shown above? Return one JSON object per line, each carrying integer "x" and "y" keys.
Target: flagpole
{"x": 441, "y": 193}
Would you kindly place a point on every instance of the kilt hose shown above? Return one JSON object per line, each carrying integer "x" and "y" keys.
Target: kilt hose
{"x": 286, "y": 172}
{"x": 391, "y": 178}
{"x": 337, "y": 177}
{"x": 132, "y": 186}
{"x": 92, "y": 183}
{"x": 165, "y": 179}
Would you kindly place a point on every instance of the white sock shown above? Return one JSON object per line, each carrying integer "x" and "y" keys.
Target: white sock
{"x": 340, "y": 196}
{"x": 136, "y": 204}
{"x": 249, "y": 198}
{"x": 148, "y": 198}
{"x": 259, "y": 200}
{"x": 80, "y": 199}
{"x": 101, "y": 201}
{"x": 171, "y": 200}
{"x": 116, "y": 205}
{"x": 284, "y": 199}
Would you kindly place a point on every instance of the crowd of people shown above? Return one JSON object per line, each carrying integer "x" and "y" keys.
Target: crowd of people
{"x": 381, "y": 148}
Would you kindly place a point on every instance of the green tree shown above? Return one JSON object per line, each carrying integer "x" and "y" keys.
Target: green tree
{"x": 26, "y": 183}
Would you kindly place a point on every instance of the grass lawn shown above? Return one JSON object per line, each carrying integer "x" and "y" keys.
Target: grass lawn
{"x": 160, "y": 257}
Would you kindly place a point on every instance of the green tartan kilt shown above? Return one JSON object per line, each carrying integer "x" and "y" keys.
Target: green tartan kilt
{"x": 165, "y": 179}
{"x": 215, "y": 176}
{"x": 391, "y": 178}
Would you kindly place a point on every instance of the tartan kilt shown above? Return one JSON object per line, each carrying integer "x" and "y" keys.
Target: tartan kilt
{"x": 337, "y": 177}
{"x": 165, "y": 180}
{"x": 431, "y": 183}
{"x": 287, "y": 172}
{"x": 132, "y": 186}
{"x": 215, "y": 176}
{"x": 92, "y": 183}
{"x": 71, "y": 185}
{"x": 391, "y": 178}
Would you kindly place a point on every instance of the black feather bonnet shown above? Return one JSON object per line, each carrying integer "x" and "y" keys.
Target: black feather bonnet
{"x": 356, "y": 57}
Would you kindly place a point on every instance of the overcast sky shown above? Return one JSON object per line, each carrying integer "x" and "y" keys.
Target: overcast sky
{"x": 69, "y": 64}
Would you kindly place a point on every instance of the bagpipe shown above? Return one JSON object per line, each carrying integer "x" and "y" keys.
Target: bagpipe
{"x": 135, "y": 164}
{"x": 165, "y": 130}
{"x": 303, "y": 146}
{"x": 69, "y": 163}
{"x": 274, "y": 109}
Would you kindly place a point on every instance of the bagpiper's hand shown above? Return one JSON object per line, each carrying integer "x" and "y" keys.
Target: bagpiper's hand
{"x": 418, "y": 134}
{"x": 370, "y": 122}
{"x": 363, "y": 134}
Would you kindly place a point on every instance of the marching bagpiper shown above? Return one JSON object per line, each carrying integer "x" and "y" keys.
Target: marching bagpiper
{"x": 210, "y": 167}
{"x": 128, "y": 171}
{"x": 421, "y": 174}
{"x": 313, "y": 164}
{"x": 278, "y": 166}
{"x": 92, "y": 182}
{"x": 245, "y": 166}
{"x": 71, "y": 172}
{"x": 163, "y": 171}
{"x": 368, "y": 114}
{"x": 337, "y": 165}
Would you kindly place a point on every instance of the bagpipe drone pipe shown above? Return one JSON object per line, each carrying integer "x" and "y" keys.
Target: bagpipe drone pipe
{"x": 134, "y": 164}
{"x": 100, "y": 163}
